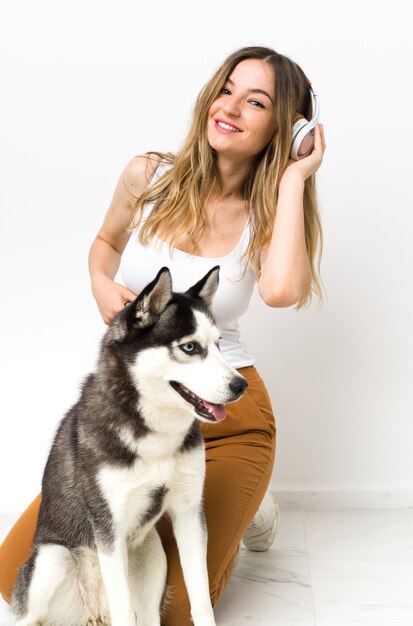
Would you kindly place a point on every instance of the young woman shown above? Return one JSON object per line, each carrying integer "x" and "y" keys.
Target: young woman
{"x": 233, "y": 197}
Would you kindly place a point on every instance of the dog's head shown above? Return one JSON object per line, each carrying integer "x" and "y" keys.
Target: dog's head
{"x": 169, "y": 342}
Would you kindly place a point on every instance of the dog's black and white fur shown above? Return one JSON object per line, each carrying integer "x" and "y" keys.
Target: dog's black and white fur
{"x": 129, "y": 450}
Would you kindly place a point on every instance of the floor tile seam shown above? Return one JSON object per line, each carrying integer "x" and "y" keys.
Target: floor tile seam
{"x": 309, "y": 565}
{"x": 350, "y": 556}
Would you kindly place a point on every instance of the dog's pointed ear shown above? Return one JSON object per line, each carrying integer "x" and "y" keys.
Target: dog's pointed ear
{"x": 206, "y": 287}
{"x": 153, "y": 300}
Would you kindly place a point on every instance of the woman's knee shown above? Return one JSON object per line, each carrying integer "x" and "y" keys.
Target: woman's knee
{"x": 16, "y": 547}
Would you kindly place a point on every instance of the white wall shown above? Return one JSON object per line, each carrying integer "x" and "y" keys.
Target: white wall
{"x": 86, "y": 85}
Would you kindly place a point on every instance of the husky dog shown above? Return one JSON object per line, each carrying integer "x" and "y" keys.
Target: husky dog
{"x": 128, "y": 451}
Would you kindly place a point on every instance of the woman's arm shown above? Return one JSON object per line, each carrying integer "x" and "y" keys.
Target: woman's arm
{"x": 286, "y": 271}
{"x": 109, "y": 244}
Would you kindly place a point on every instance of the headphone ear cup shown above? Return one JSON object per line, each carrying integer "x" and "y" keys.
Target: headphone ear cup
{"x": 302, "y": 139}
{"x": 303, "y": 133}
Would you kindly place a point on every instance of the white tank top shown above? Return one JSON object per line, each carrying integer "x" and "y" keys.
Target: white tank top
{"x": 140, "y": 264}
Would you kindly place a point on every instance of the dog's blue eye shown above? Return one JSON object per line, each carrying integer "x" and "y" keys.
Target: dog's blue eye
{"x": 188, "y": 347}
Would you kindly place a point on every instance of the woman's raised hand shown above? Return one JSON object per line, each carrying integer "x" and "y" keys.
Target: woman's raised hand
{"x": 310, "y": 164}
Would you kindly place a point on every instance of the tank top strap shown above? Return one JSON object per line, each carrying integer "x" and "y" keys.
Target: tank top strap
{"x": 160, "y": 169}
{"x": 244, "y": 239}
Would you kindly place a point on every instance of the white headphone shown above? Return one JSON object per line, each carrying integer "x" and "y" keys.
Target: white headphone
{"x": 303, "y": 132}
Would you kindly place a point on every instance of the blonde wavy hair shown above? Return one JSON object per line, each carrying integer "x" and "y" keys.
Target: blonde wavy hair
{"x": 179, "y": 194}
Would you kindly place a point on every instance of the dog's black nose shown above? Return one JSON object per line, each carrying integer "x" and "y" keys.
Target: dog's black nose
{"x": 238, "y": 385}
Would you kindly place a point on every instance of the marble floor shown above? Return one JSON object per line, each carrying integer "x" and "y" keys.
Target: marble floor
{"x": 350, "y": 567}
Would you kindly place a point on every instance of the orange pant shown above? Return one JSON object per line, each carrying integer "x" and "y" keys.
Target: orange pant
{"x": 240, "y": 454}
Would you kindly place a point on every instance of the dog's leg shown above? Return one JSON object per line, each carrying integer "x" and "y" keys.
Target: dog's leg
{"x": 191, "y": 537}
{"x": 113, "y": 563}
{"x": 147, "y": 575}
{"x": 50, "y": 569}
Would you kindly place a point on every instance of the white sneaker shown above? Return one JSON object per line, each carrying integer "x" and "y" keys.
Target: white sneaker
{"x": 260, "y": 534}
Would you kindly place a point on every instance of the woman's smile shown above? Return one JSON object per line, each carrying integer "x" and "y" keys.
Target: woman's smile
{"x": 223, "y": 128}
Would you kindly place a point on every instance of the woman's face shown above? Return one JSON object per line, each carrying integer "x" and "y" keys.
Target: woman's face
{"x": 242, "y": 105}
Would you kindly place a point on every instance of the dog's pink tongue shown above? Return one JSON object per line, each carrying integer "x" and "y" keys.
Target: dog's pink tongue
{"x": 217, "y": 409}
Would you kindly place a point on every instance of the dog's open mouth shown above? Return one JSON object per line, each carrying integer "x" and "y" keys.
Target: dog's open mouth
{"x": 212, "y": 412}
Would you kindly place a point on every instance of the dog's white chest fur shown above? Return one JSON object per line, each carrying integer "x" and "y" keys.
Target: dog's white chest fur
{"x": 130, "y": 492}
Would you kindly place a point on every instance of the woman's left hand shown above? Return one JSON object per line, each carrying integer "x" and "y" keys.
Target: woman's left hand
{"x": 310, "y": 164}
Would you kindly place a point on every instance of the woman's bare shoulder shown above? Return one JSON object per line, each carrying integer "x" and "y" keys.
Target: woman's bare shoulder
{"x": 139, "y": 171}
